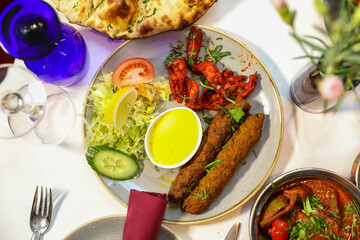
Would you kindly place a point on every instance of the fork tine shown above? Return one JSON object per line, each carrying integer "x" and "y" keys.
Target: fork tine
{"x": 46, "y": 201}
{"x": 50, "y": 205}
{"x": 33, "y": 208}
{"x": 40, "y": 211}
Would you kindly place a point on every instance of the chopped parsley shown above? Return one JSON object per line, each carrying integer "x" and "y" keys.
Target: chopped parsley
{"x": 192, "y": 5}
{"x": 215, "y": 55}
{"x": 212, "y": 165}
{"x": 137, "y": 22}
{"x": 183, "y": 97}
{"x": 190, "y": 62}
{"x": 76, "y": 4}
{"x": 176, "y": 51}
{"x": 205, "y": 86}
{"x": 305, "y": 230}
{"x": 308, "y": 208}
{"x": 352, "y": 208}
{"x": 199, "y": 196}
{"x": 108, "y": 26}
{"x": 311, "y": 204}
{"x": 255, "y": 153}
{"x": 236, "y": 113}
{"x": 99, "y": 4}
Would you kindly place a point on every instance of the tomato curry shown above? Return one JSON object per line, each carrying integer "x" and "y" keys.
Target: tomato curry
{"x": 310, "y": 208}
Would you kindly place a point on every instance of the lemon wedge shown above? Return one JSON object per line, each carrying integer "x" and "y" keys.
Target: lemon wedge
{"x": 120, "y": 106}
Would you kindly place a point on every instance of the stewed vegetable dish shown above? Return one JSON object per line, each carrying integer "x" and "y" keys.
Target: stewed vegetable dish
{"x": 310, "y": 208}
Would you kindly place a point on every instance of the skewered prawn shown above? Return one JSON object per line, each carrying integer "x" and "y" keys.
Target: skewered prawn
{"x": 193, "y": 46}
{"x": 210, "y": 71}
{"x": 192, "y": 95}
{"x": 220, "y": 87}
{"x": 178, "y": 74}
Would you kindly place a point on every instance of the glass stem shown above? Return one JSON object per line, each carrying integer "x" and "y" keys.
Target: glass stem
{"x": 13, "y": 103}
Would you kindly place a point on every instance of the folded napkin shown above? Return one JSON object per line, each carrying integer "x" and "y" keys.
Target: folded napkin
{"x": 144, "y": 215}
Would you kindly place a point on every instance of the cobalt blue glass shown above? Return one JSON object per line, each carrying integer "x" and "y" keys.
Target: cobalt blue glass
{"x": 29, "y": 29}
{"x": 54, "y": 51}
{"x": 66, "y": 64}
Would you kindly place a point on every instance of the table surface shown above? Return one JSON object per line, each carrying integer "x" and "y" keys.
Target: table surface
{"x": 330, "y": 141}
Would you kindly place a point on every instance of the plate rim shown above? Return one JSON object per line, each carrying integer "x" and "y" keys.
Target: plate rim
{"x": 279, "y": 102}
{"x": 109, "y": 217}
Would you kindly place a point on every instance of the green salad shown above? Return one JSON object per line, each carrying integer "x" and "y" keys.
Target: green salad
{"x": 130, "y": 139}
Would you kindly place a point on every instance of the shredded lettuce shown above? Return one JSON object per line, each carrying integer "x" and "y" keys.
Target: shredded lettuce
{"x": 132, "y": 136}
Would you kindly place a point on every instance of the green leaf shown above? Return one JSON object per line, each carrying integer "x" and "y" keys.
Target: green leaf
{"x": 311, "y": 45}
{"x": 318, "y": 39}
{"x": 213, "y": 164}
{"x": 236, "y": 113}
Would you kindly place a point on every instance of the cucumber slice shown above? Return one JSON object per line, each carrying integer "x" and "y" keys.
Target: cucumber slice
{"x": 112, "y": 163}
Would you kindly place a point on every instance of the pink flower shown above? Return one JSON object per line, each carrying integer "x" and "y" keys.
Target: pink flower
{"x": 278, "y": 4}
{"x": 331, "y": 87}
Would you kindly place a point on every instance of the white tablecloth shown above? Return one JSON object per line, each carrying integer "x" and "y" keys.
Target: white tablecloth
{"x": 330, "y": 141}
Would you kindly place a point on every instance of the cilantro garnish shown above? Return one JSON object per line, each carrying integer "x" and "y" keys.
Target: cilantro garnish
{"x": 352, "y": 208}
{"x": 190, "y": 62}
{"x": 255, "y": 153}
{"x": 236, "y": 113}
{"x": 183, "y": 97}
{"x": 305, "y": 230}
{"x": 108, "y": 26}
{"x": 176, "y": 51}
{"x": 229, "y": 100}
{"x": 310, "y": 205}
{"x": 200, "y": 196}
{"x": 129, "y": 29}
{"x": 215, "y": 55}
{"x": 99, "y": 4}
{"x": 205, "y": 86}
{"x": 212, "y": 165}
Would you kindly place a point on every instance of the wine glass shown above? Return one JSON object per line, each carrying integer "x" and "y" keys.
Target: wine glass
{"x": 40, "y": 112}
{"x": 54, "y": 51}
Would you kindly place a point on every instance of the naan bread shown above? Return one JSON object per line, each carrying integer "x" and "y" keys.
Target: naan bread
{"x": 128, "y": 19}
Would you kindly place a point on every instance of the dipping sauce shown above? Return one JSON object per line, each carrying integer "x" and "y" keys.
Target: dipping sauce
{"x": 174, "y": 137}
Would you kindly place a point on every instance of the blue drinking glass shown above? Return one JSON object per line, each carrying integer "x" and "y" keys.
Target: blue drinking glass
{"x": 54, "y": 51}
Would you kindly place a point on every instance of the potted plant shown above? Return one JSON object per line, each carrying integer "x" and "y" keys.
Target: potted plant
{"x": 333, "y": 69}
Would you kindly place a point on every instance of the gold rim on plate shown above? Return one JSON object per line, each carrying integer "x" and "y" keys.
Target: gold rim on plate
{"x": 261, "y": 183}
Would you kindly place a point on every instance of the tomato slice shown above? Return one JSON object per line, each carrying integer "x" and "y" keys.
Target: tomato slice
{"x": 133, "y": 71}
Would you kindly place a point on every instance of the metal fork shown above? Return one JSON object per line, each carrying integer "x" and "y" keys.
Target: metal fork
{"x": 40, "y": 216}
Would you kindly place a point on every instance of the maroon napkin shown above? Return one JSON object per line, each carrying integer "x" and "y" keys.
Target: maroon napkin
{"x": 144, "y": 215}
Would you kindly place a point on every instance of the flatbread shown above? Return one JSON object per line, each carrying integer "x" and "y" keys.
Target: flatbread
{"x": 129, "y": 19}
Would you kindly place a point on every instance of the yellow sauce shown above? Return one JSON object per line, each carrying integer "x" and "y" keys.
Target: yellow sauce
{"x": 173, "y": 137}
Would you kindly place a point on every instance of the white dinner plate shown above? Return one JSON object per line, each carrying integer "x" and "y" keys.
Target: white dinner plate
{"x": 249, "y": 177}
{"x": 111, "y": 228}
